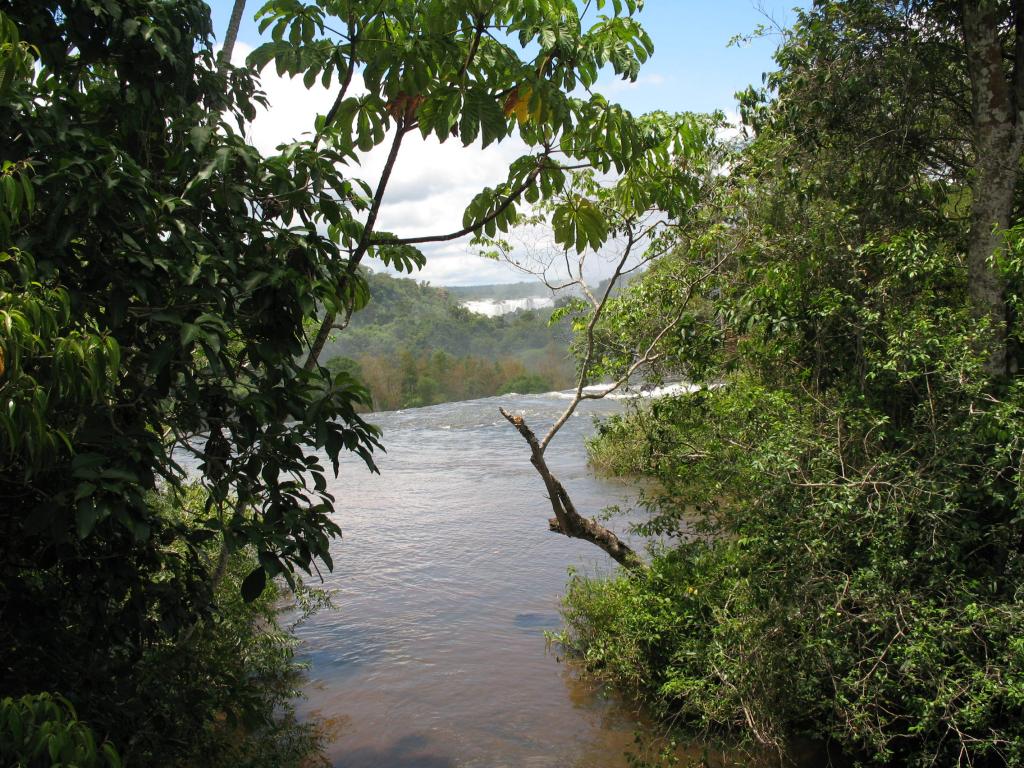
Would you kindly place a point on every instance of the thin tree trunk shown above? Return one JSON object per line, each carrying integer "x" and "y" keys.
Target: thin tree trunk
{"x": 232, "y": 34}
{"x": 998, "y": 139}
{"x": 217, "y": 576}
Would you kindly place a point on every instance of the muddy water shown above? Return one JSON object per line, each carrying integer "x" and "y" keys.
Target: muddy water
{"x": 447, "y": 578}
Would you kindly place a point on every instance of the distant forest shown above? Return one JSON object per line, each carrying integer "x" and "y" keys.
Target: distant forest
{"x": 414, "y": 345}
{"x": 499, "y": 292}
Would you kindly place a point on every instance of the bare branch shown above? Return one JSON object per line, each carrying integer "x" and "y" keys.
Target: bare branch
{"x": 583, "y": 283}
{"x": 589, "y": 354}
{"x": 649, "y": 356}
{"x": 346, "y": 320}
{"x": 567, "y": 520}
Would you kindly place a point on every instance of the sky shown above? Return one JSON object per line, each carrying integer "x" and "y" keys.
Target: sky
{"x": 693, "y": 68}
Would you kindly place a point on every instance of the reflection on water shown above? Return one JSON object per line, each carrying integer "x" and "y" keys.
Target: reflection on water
{"x": 447, "y": 578}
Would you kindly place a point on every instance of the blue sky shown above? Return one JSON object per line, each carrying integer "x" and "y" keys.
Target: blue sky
{"x": 693, "y": 68}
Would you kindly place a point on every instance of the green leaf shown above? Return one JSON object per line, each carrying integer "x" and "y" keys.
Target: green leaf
{"x": 254, "y": 584}
{"x": 188, "y": 333}
{"x": 86, "y": 515}
{"x": 482, "y": 115}
{"x": 113, "y": 759}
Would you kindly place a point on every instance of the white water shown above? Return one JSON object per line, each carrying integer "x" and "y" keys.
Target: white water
{"x": 629, "y": 393}
{"x": 496, "y": 307}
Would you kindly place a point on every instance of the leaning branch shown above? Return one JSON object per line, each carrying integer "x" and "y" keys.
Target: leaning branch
{"x": 589, "y": 355}
{"x": 567, "y": 520}
{"x": 324, "y": 332}
{"x": 649, "y": 355}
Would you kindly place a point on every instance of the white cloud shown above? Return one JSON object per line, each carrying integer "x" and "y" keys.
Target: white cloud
{"x": 430, "y": 187}
{"x": 615, "y": 85}
{"x": 733, "y": 129}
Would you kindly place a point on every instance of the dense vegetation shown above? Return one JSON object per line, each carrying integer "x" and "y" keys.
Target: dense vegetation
{"x": 131, "y": 324}
{"x": 840, "y": 507}
{"x": 413, "y": 380}
{"x": 167, "y": 425}
{"x": 415, "y": 345}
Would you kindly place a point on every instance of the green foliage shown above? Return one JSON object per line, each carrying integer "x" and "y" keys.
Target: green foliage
{"x": 620, "y": 446}
{"x": 231, "y": 682}
{"x": 152, "y": 290}
{"x": 478, "y": 73}
{"x": 578, "y": 224}
{"x": 219, "y": 694}
{"x": 184, "y": 336}
{"x": 414, "y": 345}
{"x": 526, "y": 384}
{"x": 406, "y": 315}
{"x": 157, "y": 278}
{"x": 43, "y": 730}
{"x": 410, "y": 380}
{"x": 839, "y": 505}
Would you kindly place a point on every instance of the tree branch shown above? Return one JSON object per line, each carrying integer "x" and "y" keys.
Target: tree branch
{"x": 333, "y": 111}
{"x": 1017, "y": 92}
{"x": 324, "y": 332}
{"x": 513, "y": 195}
{"x": 589, "y": 355}
{"x": 567, "y": 520}
{"x": 224, "y": 60}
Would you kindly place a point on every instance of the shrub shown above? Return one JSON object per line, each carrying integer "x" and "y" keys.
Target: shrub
{"x": 42, "y": 730}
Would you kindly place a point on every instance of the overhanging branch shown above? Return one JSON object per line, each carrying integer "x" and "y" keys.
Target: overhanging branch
{"x": 567, "y": 520}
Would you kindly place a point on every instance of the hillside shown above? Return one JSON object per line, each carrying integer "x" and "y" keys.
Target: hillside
{"x": 415, "y": 345}
{"x": 501, "y": 291}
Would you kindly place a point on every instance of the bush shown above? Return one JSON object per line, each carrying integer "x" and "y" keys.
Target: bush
{"x": 620, "y": 446}
{"x": 42, "y": 730}
{"x": 525, "y": 384}
{"x": 221, "y": 693}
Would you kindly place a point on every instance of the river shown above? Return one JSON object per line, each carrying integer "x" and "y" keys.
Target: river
{"x": 446, "y": 579}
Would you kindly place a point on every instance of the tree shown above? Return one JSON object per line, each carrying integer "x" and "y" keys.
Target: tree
{"x": 918, "y": 90}
{"x": 158, "y": 274}
{"x": 650, "y": 211}
{"x": 150, "y": 320}
{"x": 457, "y": 70}
{"x": 842, "y": 555}
{"x": 231, "y": 36}
{"x": 993, "y": 33}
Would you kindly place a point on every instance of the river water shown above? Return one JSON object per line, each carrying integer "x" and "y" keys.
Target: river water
{"x": 446, "y": 579}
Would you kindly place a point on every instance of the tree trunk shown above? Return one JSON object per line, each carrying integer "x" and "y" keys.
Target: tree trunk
{"x": 232, "y": 34}
{"x": 998, "y": 134}
{"x": 323, "y": 333}
{"x": 222, "y": 62}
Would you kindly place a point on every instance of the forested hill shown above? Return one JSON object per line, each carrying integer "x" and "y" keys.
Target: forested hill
{"x": 525, "y": 290}
{"x": 415, "y": 345}
{"x": 404, "y": 314}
